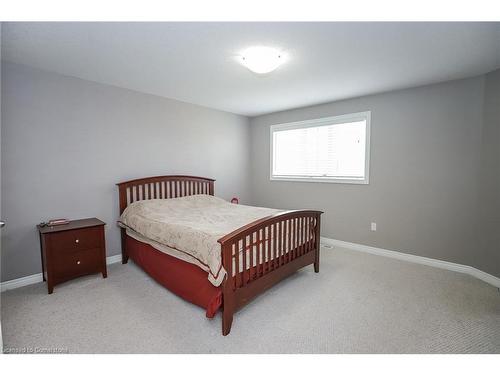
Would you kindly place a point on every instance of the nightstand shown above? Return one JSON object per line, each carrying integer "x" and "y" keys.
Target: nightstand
{"x": 72, "y": 250}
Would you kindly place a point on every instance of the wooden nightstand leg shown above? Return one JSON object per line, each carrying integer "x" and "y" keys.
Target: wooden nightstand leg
{"x": 50, "y": 288}
{"x": 41, "y": 254}
{"x": 104, "y": 267}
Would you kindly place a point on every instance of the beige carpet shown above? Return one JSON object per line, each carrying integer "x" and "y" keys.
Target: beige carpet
{"x": 358, "y": 303}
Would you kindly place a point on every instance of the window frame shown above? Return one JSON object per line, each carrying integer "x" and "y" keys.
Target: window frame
{"x": 324, "y": 121}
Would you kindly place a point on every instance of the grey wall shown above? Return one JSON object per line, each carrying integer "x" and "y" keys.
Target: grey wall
{"x": 489, "y": 189}
{"x": 66, "y": 142}
{"x": 423, "y": 192}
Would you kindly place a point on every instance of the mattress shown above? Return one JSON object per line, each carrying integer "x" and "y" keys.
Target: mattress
{"x": 188, "y": 228}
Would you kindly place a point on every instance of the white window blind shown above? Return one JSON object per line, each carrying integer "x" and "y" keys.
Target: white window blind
{"x": 333, "y": 149}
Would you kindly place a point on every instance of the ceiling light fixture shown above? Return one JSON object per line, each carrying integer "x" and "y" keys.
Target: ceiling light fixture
{"x": 262, "y": 60}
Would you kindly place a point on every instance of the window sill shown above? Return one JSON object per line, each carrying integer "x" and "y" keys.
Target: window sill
{"x": 324, "y": 180}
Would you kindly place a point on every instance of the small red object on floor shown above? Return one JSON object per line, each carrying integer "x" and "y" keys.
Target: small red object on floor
{"x": 235, "y": 200}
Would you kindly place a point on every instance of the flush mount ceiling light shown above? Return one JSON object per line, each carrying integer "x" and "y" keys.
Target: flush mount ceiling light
{"x": 261, "y": 60}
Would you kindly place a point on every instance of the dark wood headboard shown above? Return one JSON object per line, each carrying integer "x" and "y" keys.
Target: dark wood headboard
{"x": 162, "y": 187}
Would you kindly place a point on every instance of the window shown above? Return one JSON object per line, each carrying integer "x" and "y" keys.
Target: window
{"x": 334, "y": 149}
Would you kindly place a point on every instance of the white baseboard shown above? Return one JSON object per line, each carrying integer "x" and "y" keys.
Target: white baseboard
{"x": 22, "y": 281}
{"x": 486, "y": 277}
{"x": 114, "y": 259}
{"x": 37, "y": 278}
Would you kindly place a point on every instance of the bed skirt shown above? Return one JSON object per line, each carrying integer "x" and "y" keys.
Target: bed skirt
{"x": 183, "y": 279}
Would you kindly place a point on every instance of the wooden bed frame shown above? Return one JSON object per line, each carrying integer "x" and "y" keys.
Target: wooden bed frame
{"x": 276, "y": 246}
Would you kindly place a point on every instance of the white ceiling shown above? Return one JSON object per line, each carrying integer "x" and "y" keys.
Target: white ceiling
{"x": 195, "y": 62}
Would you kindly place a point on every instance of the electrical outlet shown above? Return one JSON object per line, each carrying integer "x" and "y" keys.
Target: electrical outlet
{"x": 373, "y": 227}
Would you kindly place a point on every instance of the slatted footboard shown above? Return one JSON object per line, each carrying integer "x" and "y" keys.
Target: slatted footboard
{"x": 260, "y": 254}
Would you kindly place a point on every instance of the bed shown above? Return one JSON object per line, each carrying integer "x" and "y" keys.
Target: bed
{"x": 210, "y": 252}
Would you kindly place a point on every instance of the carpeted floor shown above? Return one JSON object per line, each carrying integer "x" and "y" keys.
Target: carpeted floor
{"x": 358, "y": 303}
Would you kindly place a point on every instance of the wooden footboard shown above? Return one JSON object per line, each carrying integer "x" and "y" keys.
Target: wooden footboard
{"x": 260, "y": 254}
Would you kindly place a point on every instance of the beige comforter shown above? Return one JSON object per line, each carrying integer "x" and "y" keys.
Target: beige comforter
{"x": 188, "y": 228}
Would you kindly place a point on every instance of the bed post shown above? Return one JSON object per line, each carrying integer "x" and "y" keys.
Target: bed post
{"x": 228, "y": 305}
{"x": 228, "y": 310}
{"x": 317, "y": 243}
{"x": 124, "y": 246}
{"x": 211, "y": 188}
{"x": 123, "y": 204}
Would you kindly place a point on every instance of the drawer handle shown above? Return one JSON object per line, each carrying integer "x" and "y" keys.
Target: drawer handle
{"x": 77, "y": 240}
{"x": 77, "y": 262}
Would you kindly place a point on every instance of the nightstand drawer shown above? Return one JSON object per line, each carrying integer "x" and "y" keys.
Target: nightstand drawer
{"x": 73, "y": 264}
{"x": 77, "y": 240}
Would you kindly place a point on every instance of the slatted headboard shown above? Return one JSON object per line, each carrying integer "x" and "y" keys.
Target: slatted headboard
{"x": 162, "y": 187}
